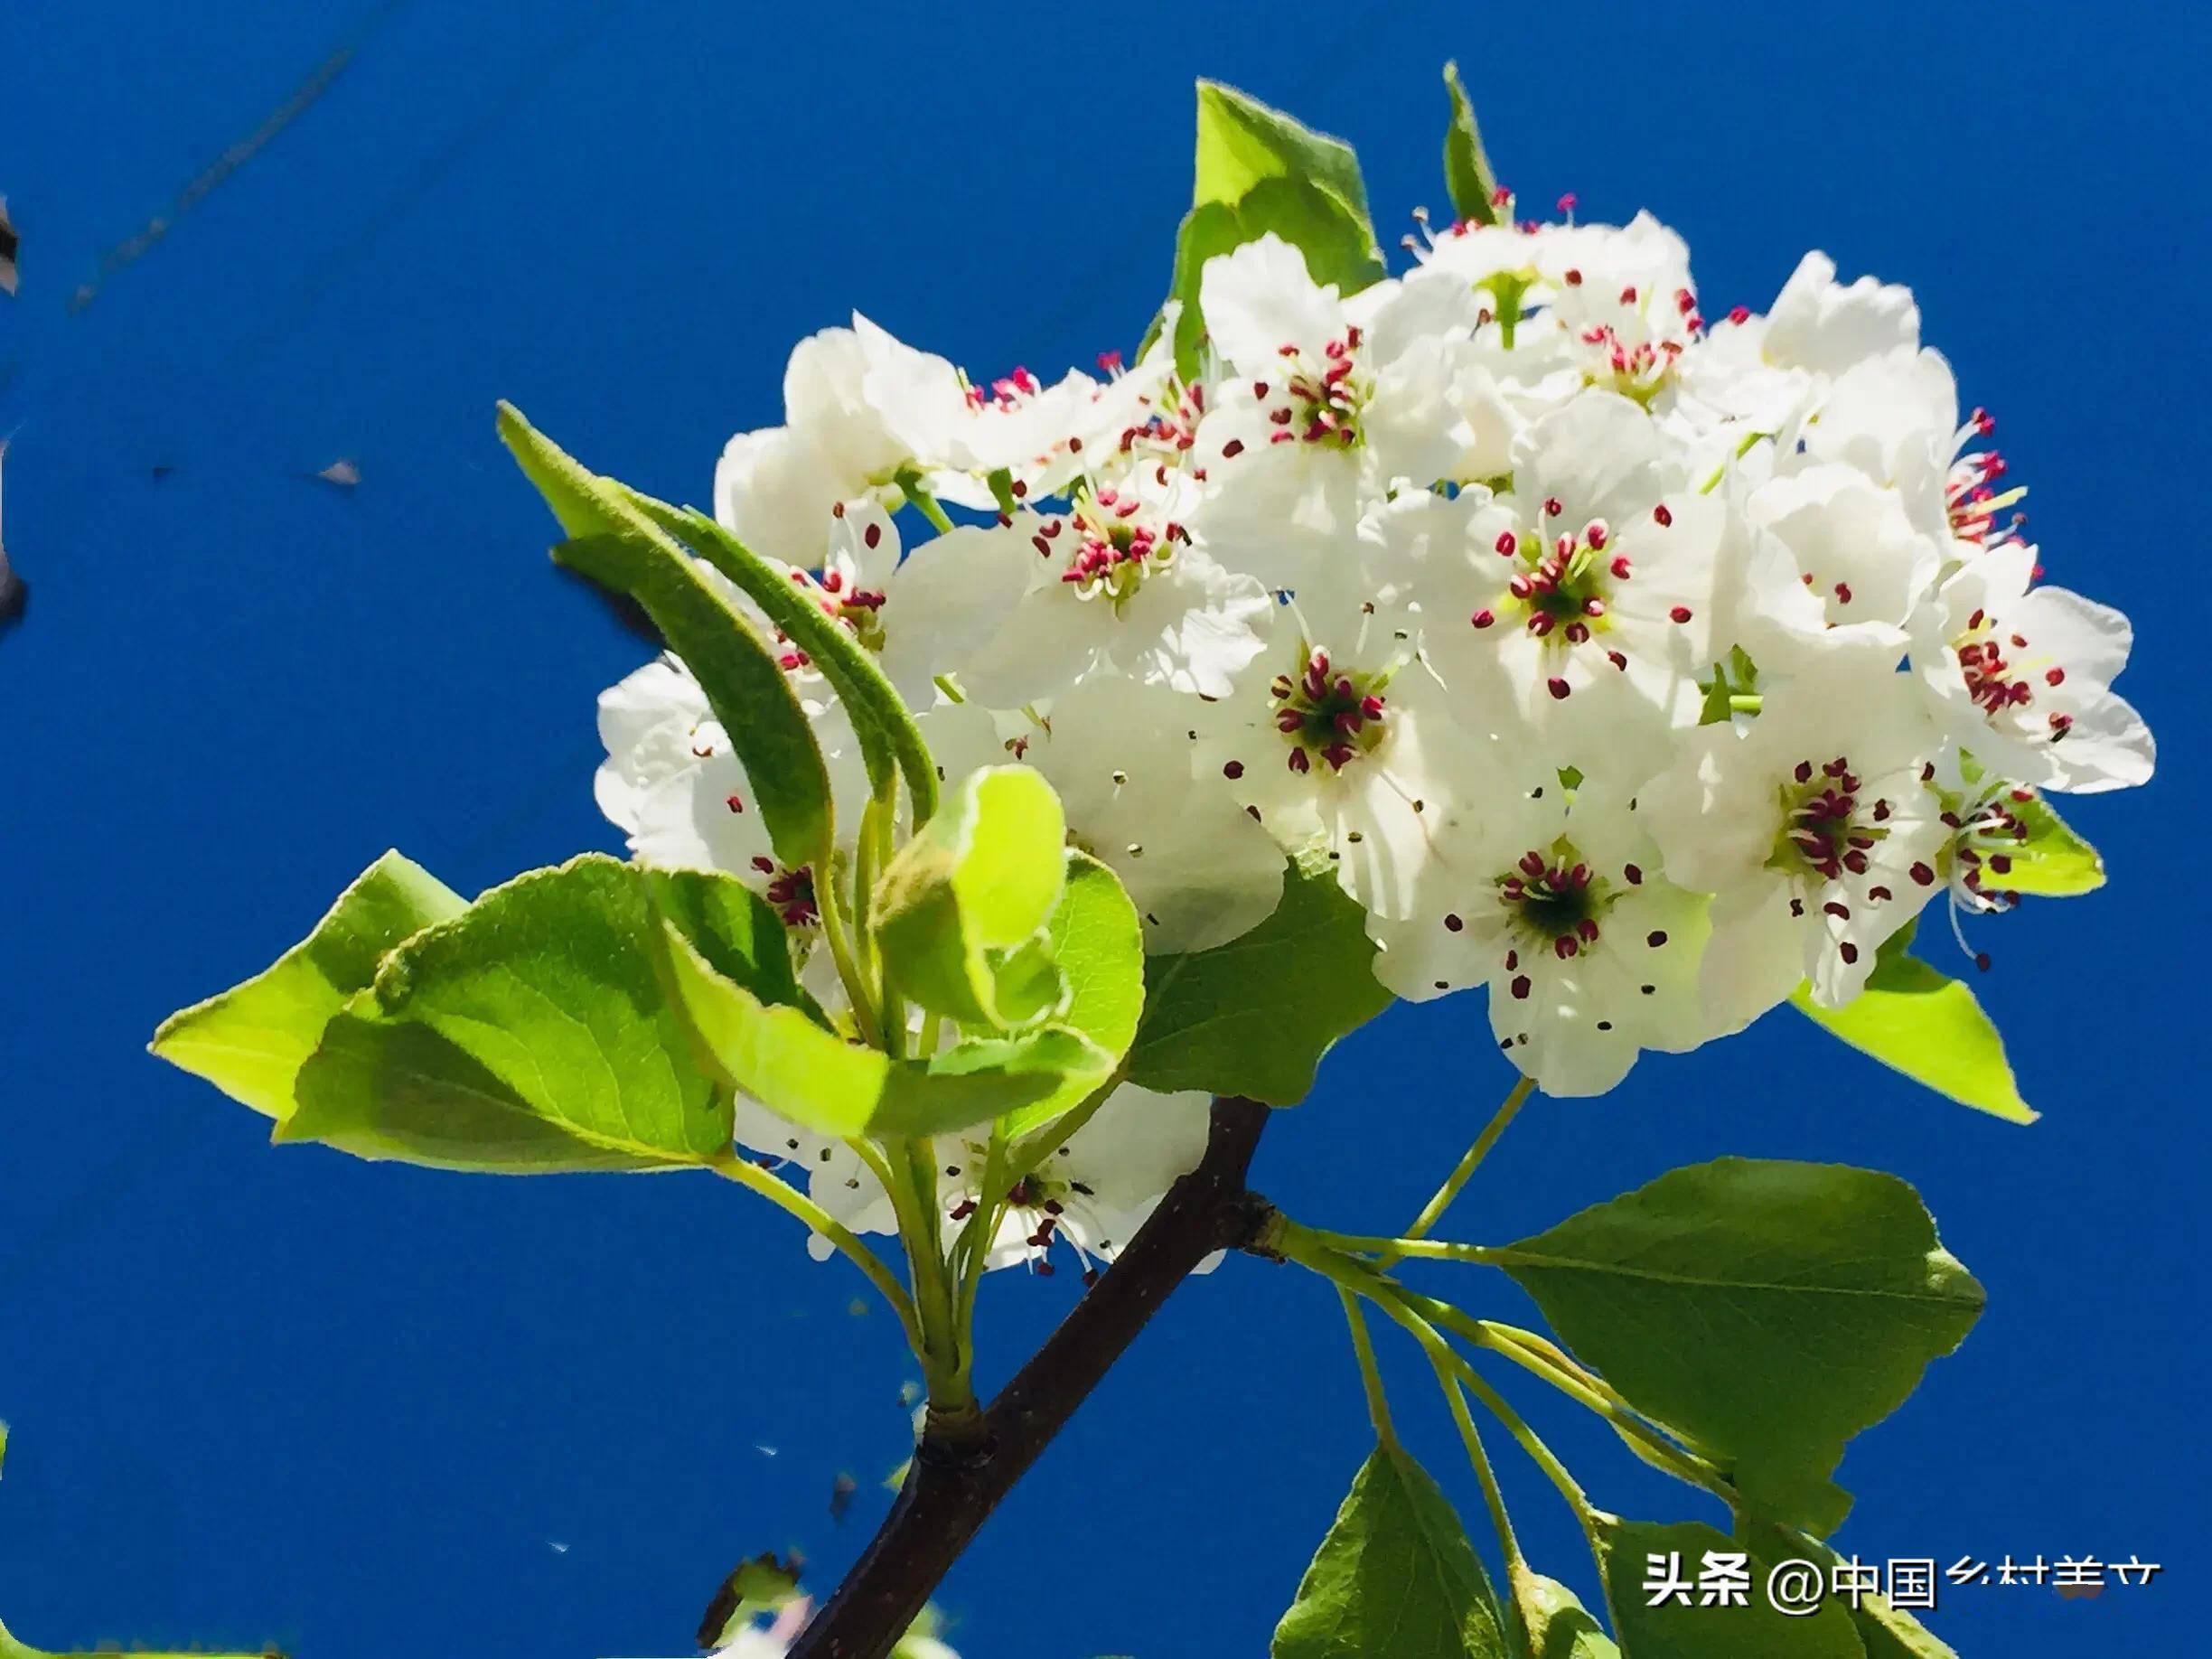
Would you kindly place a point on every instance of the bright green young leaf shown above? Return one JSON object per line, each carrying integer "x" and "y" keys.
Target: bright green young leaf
{"x": 1558, "y": 1625}
{"x": 811, "y": 1075}
{"x": 959, "y": 912}
{"x": 1259, "y": 170}
{"x": 1769, "y": 1310}
{"x": 889, "y": 739}
{"x": 529, "y": 1034}
{"x": 1254, "y": 1016}
{"x": 1755, "y": 1630}
{"x": 619, "y": 548}
{"x": 250, "y": 1041}
{"x": 2052, "y": 862}
{"x": 1467, "y": 173}
{"x": 1098, "y": 943}
{"x": 1395, "y": 1577}
{"x": 1928, "y": 1026}
{"x": 1241, "y": 141}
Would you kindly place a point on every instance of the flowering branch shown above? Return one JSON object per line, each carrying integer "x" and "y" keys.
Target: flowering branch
{"x": 963, "y": 1469}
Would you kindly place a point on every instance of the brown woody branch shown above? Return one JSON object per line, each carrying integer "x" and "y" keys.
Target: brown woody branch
{"x": 962, "y": 1470}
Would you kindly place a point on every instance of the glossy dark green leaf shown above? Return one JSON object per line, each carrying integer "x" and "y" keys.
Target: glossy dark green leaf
{"x": 1754, "y": 1630}
{"x": 1255, "y": 1016}
{"x": 1395, "y": 1577}
{"x": 1769, "y": 1310}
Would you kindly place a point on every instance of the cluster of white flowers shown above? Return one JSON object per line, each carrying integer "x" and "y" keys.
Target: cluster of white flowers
{"x": 1636, "y": 665}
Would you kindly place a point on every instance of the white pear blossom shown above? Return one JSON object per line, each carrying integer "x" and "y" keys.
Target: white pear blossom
{"x": 1114, "y": 588}
{"x": 1632, "y": 666}
{"x": 1814, "y": 826}
{"x": 1555, "y": 898}
{"x": 2023, "y": 676}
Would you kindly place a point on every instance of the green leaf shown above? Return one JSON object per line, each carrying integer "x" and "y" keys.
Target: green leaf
{"x": 1928, "y": 1026}
{"x": 1259, "y": 170}
{"x": 1098, "y": 942}
{"x": 961, "y": 911}
{"x": 1467, "y": 173}
{"x": 251, "y": 1040}
{"x": 1241, "y": 141}
{"x": 619, "y": 548}
{"x": 888, "y": 737}
{"x": 1558, "y": 1625}
{"x": 2052, "y": 862}
{"x": 1254, "y": 1016}
{"x": 530, "y": 1033}
{"x": 1768, "y": 1310}
{"x": 1395, "y": 1577}
{"x": 816, "y": 1078}
{"x": 1757, "y": 1630}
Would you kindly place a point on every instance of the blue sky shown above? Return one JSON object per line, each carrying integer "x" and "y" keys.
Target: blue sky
{"x": 261, "y": 1394}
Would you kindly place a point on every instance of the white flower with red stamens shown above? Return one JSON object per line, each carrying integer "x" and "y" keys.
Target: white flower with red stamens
{"x": 673, "y": 784}
{"x": 1121, "y": 757}
{"x": 777, "y": 488}
{"x": 1042, "y": 436}
{"x": 1339, "y": 741}
{"x": 1115, "y": 589}
{"x": 1091, "y": 1192}
{"x": 1556, "y": 900}
{"x": 2023, "y": 676}
{"x": 1589, "y": 590}
{"x": 1813, "y": 827}
{"x": 1838, "y": 568}
{"x": 1324, "y": 403}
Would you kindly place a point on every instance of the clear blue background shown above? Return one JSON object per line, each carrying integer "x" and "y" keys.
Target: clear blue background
{"x": 261, "y": 1394}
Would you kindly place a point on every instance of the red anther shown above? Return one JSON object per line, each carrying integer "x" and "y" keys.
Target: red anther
{"x": 1662, "y": 513}
{"x": 1559, "y": 689}
{"x": 1620, "y": 567}
{"x": 1552, "y": 507}
{"x": 1233, "y": 448}
{"x": 1483, "y": 619}
{"x": 1739, "y": 314}
{"x": 1298, "y": 763}
{"x": 1680, "y": 613}
{"x": 735, "y": 802}
{"x": 1574, "y": 278}
{"x": 1507, "y": 543}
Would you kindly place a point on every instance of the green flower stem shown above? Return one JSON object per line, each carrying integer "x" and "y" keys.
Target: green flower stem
{"x": 1745, "y": 704}
{"x": 1464, "y": 1420}
{"x": 1433, "y": 1211}
{"x": 857, "y": 989}
{"x": 732, "y": 1167}
{"x": 912, "y": 1169}
{"x": 1579, "y": 1386}
{"x": 1371, "y": 1375}
{"x": 916, "y": 493}
{"x": 1303, "y": 1246}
